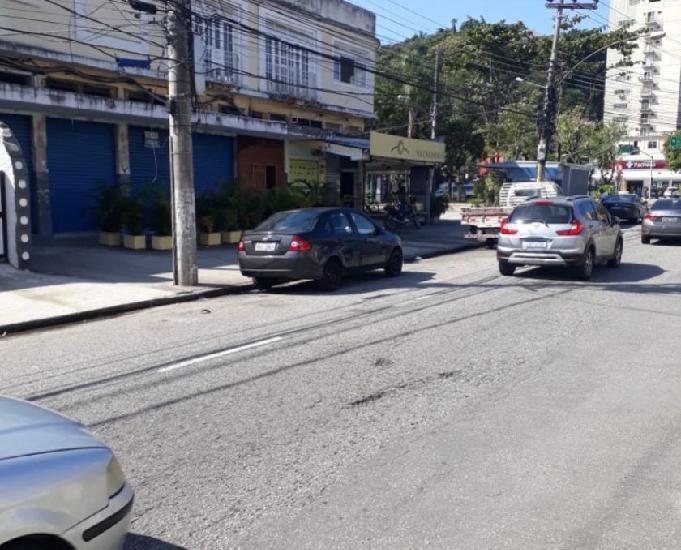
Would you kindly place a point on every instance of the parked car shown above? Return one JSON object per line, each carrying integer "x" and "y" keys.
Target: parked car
{"x": 625, "y": 206}
{"x": 672, "y": 192}
{"x": 60, "y": 487}
{"x": 322, "y": 244}
{"x": 574, "y": 232}
{"x": 663, "y": 221}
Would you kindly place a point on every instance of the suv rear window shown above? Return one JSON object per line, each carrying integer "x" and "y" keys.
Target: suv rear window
{"x": 546, "y": 213}
{"x": 297, "y": 221}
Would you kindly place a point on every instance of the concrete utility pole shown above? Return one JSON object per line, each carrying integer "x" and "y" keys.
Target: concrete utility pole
{"x": 547, "y": 120}
{"x": 433, "y": 130}
{"x": 185, "y": 269}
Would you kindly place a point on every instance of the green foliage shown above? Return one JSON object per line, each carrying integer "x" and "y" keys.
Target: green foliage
{"x": 156, "y": 197}
{"x": 109, "y": 209}
{"x": 673, "y": 155}
{"x": 133, "y": 215}
{"x": 487, "y": 188}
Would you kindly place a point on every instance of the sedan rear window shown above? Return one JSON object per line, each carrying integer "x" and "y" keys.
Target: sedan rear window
{"x": 297, "y": 221}
{"x": 546, "y": 213}
{"x": 620, "y": 198}
{"x": 666, "y": 204}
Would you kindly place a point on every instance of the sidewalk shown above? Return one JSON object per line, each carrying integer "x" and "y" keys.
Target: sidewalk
{"x": 75, "y": 279}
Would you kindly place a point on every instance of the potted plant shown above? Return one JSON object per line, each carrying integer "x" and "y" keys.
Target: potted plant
{"x": 206, "y": 217}
{"x": 134, "y": 237}
{"x": 109, "y": 214}
{"x": 231, "y": 233}
{"x": 162, "y": 224}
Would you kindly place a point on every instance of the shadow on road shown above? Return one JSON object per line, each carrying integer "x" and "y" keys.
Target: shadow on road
{"x": 140, "y": 542}
{"x": 626, "y": 273}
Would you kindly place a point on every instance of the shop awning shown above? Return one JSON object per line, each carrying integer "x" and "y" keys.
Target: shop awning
{"x": 355, "y": 149}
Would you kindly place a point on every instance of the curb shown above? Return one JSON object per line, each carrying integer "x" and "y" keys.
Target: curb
{"x": 110, "y": 311}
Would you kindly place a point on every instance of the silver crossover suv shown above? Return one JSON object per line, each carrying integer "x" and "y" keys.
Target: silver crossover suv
{"x": 573, "y": 232}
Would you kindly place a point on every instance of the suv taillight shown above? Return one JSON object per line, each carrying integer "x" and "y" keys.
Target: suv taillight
{"x": 506, "y": 230}
{"x": 575, "y": 230}
{"x": 649, "y": 217}
{"x": 299, "y": 245}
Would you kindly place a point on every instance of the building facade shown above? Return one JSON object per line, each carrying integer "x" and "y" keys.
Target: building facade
{"x": 645, "y": 97}
{"x": 83, "y": 88}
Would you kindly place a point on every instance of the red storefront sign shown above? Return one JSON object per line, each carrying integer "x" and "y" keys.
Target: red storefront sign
{"x": 640, "y": 165}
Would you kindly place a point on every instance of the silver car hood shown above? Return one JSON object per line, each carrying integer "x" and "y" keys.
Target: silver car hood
{"x": 27, "y": 429}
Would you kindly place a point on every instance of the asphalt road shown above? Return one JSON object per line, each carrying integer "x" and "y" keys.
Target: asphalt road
{"x": 450, "y": 408}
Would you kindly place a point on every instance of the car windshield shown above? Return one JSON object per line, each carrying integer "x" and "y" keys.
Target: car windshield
{"x": 620, "y": 198}
{"x": 666, "y": 204}
{"x": 545, "y": 213}
{"x": 297, "y": 221}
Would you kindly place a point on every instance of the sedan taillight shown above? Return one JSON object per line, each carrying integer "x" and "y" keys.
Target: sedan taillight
{"x": 299, "y": 244}
{"x": 241, "y": 247}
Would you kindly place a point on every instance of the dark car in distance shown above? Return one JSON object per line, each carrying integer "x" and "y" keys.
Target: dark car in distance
{"x": 625, "y": 207}
{"x": 321, "y": 244}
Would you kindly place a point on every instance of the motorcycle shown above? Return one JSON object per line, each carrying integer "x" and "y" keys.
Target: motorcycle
{"x": 400, "y": 215}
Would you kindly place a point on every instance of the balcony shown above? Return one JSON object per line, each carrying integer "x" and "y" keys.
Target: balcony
{"x": 295, "y": 90}
{"x": 223, "y": 70}
{"x": 647, "y": 78}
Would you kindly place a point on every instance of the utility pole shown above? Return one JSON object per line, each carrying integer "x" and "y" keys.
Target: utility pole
{"x": 180, "y": 71}
{"x": 433, "y": 130}
{"x": 547, "y": 117}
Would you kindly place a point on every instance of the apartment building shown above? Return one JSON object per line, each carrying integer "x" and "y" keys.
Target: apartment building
{"x": 645, "y": 97}
{"x": 283, "y": 89}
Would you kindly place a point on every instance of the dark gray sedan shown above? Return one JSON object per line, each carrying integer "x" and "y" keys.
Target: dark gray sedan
{"x": 663, "y": 221}
{"x": 625, "y": 206}
{"x": 322, "y": 244}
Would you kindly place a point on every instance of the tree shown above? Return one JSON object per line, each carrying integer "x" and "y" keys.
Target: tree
{"x": 604, "y": 149}
{"x": 673, "y": 154}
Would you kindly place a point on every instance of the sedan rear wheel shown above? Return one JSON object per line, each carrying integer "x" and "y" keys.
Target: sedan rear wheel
{"x": 263, "y": 283}
{"x": 332, "y": 275}
{"x": 506, "y": 269}
{"x": 393, "y": 267}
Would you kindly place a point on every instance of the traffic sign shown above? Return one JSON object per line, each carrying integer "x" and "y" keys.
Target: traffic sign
{"x": 675, "y": 142}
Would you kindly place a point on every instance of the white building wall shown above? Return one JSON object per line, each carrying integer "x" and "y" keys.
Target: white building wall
{"x": 645, "y": 96}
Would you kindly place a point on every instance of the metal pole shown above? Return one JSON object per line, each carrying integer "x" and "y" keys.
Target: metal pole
{"x": 433, "y": 132}
{"x": 185, "y": 269}
{"x": 546, "y": 127}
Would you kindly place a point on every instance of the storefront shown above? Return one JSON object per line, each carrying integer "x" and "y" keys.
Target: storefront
{"x": 261, "y": 163}
{"x": 397, "y": 161}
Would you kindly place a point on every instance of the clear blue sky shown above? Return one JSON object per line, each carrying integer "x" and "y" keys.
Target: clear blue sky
{"x": 399, "y": 18}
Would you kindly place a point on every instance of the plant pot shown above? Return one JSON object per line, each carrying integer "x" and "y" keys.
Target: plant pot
{"x": 210, "y": 239}
{"x": 161, "y": 242}
{"x": 231, "y": 237}
{"x": 110, "y": 239}
{"x": 135, "y": 242}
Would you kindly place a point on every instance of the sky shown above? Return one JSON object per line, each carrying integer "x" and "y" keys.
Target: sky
{"x": 398, "y": 19}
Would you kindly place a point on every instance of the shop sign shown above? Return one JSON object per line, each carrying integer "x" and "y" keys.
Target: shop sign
{"x": 152, "y": 140}
{"x": 303, "y": 170}
{"x": 641, "y": 165}
{"x": 400, "y": 148}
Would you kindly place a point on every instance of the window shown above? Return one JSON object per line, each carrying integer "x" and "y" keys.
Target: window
{"x": 347, "y": 70}
{"x": 299, "y": 221}
{"x": 287, "y": 68}
{"x": 652, "y": 145}
{"x": 219, "y": 37}
{"x": 547, "y": 213}
{"x": 587, "y": 210}
{"x": 364, "y": 225}
{"x": 339, "y": 224}
{"x": 602, "y": 214}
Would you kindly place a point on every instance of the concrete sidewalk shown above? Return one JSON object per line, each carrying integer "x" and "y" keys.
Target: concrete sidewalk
{"x": 75, "y": 279}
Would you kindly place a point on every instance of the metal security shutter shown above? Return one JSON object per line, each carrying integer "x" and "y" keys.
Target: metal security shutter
{"x": 21, "y": 127}
{"x": 80, "y": 156}
{"x": 213, "y": 161}
{"x": 149, "y": 158}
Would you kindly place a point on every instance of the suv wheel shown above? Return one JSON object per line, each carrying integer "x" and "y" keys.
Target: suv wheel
{"x": 616, "y": 259}
{"x": 586, "y": 269}
{"x": 506, "y": 269}
{"x": 645, "y": 239}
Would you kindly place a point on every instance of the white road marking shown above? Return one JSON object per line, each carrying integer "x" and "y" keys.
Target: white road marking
{"x": 223, "y": 353}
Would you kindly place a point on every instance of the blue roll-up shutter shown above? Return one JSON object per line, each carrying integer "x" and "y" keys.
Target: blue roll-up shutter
{"x": 22, "y": 129}
{"x": 80, "y": 156}
{"x": 149, "y": 158}
{"x": 213, "y": 161}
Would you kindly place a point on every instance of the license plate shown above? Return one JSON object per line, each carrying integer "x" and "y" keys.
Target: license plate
{"x": 265, "y": 247}
{"x": 534, "y": 244}
{"x": 668, "y": 219}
